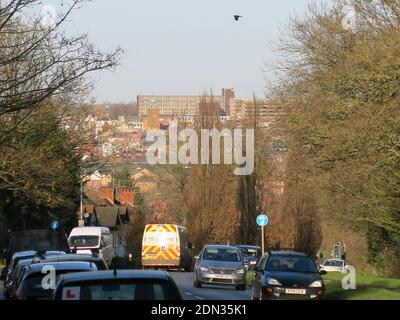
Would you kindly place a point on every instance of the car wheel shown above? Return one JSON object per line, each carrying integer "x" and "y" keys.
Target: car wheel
{"x": 242, "y": 287}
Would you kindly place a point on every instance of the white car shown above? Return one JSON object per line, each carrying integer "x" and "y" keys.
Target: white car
{"x": 333, "y": 265}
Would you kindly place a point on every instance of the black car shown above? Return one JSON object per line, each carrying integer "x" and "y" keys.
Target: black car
{"x": 98, "y": 261}
{"x": 117, "y": 285}
{"x": 11, "y": 283}
{"x": 287, "y": 275}
{"x": 36, "y": 240}
{"x": 250, "y": 254}
{"x": 34, "y": 281}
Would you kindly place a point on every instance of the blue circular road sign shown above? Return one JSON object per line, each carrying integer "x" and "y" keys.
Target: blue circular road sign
{"x": 262, "y": 220}
{"x": 55, "y": 225}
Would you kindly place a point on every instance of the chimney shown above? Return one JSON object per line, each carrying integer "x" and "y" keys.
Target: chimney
{"x": 106, "y": 193}
{"x": 125, "y": 195}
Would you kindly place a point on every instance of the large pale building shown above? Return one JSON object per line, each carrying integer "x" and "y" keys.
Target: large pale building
{"x": 180, "y": 105}
{"x": 266, "y": 111}
{"x": 152, "y": 120}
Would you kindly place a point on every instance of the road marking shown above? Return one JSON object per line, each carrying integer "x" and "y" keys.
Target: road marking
{"x": 188, "y": 293}
{"x": 200, "y": 298}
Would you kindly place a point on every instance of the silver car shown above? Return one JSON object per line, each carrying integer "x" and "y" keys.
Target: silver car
{"x": 221, "y": 265}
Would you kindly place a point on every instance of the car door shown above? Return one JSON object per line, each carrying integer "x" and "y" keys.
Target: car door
{"x": 258, "y": 275}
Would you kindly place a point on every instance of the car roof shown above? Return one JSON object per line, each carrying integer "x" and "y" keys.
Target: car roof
{"x": 34, "y": 252}
{"x": 76, "y": 265}
{"x": 334, "y": 260}
{"x": 220, "y": 246}
{"x": 110, "y": 275}
{"x": 287, "y": 253}
{"x": 23, "y": 253}
{"x": 23, "y": 262}
{"x": 70, "y": 257}
{"x": 248, "y": 246}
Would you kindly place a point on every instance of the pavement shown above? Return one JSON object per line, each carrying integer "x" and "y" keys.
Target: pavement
{"x": 2, "y": 297}
{"x": 184, "y": 280}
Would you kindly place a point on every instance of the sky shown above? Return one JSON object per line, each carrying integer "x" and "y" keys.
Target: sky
{"x": 184, "y": 46}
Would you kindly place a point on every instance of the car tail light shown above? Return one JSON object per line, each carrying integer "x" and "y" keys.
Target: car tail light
{"x": 267, "y": 290}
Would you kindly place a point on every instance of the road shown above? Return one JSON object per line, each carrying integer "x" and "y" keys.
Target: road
{"x": 189, "y": 292}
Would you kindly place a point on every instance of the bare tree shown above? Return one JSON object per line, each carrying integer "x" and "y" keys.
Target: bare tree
{"x": 40, "y": 62}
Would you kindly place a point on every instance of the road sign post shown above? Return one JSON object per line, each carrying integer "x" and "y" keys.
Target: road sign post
{"x": 262, "y": 221}
{"x": 262, "y": 241}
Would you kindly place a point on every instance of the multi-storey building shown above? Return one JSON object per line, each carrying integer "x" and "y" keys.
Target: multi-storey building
{"x": 180, "y": 105}
{"x": 152, "y": 120}
{"x": 228, "y": 97}
{"x": 266, "y": 111}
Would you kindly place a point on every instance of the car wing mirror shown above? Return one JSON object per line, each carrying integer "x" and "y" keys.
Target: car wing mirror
{"x": 323, "y": 273}
{"x": 196, "y": 258}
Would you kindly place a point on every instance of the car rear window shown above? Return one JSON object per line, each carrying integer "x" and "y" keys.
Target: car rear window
{"x": 249, "y": 252}
{"x": 142, "y": 290}
{"x": 34, "y": 283}
{"x": 333, "y": 263}
{"x": 290, "y": 264}
{"x": 83, "y": 241}
{"x": 221, "y": 254}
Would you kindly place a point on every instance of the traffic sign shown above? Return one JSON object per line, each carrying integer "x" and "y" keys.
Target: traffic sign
{"x": 262, "y": 220}
{"x": 55, "y": 225}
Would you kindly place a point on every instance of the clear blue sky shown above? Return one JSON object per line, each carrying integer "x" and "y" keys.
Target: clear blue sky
{"x": 184, "y": 46}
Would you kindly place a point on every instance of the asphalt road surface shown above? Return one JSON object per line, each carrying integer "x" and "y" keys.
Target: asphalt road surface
{"x": 189, "y": 292}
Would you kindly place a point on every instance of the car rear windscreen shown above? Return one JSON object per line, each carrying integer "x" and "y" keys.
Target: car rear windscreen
{"x": 84, "y": 241}
{"x": 120, "y": 290}
{"x": 35, "y": 284}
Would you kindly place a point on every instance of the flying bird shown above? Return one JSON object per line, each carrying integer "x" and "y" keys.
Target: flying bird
{"x": 237, "y": 17}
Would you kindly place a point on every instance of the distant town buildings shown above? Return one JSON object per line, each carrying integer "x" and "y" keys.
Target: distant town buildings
{"x": 228, "y": 97}
{"x": 266, "y": 111}
{"x": 152, "y": 120}
{"x": 178, "y": 105}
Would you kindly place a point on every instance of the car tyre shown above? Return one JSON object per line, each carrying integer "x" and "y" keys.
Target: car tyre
{"x": 242, "y": 287}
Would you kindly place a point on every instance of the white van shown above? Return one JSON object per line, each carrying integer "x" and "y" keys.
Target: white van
{"x": 88, "y": 240}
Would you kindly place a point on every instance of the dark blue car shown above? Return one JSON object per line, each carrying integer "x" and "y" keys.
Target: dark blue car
{"x": 287, "y": 275}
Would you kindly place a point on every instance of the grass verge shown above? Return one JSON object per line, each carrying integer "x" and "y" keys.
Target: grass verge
{"x": 368, "y": 287}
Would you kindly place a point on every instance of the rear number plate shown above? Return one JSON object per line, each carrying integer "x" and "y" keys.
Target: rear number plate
{"x": 295, "y": 291}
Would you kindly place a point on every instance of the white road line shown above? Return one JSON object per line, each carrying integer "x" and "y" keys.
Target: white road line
{"x": 188, "y": 293}
{"x": 200, "y": 298}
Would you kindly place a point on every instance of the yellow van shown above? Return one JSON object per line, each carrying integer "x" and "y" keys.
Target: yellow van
{"x": 166, "y": 246}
